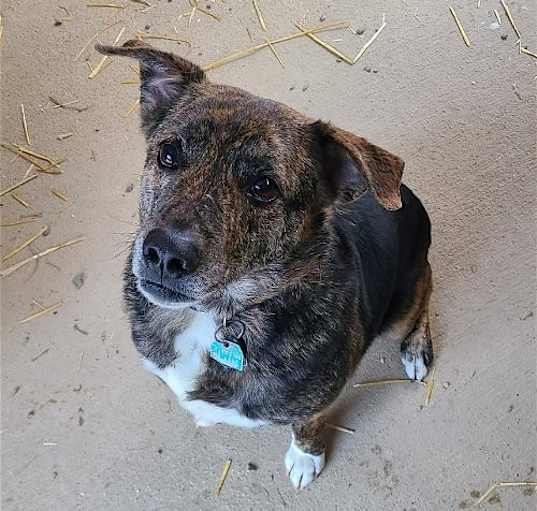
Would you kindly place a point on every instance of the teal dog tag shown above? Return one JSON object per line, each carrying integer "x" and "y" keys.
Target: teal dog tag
{"x": 227, "y": 353}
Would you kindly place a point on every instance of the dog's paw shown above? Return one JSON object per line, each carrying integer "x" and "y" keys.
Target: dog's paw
{"x": 302, "y": 467}
{"x": 417, "y": 358}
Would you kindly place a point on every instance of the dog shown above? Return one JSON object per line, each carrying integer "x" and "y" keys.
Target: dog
{"x": 272, "y": 249}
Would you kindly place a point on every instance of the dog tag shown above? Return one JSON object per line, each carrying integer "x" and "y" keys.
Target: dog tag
{"x": 227, "y": 353}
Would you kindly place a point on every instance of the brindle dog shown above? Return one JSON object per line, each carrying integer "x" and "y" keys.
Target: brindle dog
{"x": 287, "y": 239}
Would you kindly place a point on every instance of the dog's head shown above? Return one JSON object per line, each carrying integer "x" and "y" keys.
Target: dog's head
{"x": 234, "y": 183}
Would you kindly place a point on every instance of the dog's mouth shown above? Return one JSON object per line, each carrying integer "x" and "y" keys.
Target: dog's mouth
{"x": 162, "y": 295}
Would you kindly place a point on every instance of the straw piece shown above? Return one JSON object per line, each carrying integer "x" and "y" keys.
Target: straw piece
{"x": 192, "y": 12}
{"x": 67, "y": 106}
{"x": 164, "y": 37}
{"x": 18, "y": 185}
{"x": 510, "y": 18}
{"x": 498, "y": 19}
{"x": 37, "y": 357}
{"x": 110, "y": 6}
{"x": 429, "y": 388}
{"x": 95, "y": 37}
{"x": 63, "y": 105}
{"x": 40, "y": 313}
{"x": 223, "y": 477}
{"x": 142, "y": 2}
{"x": 132, "y": 108}
{"x": 101, "y": 63}
{"x": 39, "y": 304}
{"x": 63, "y": 136}
{"x": 130, "y": 82}
{"x": 1, "y": 27}
{"x": 259, "y": 15}
{"x": 273, "y": 50}
{"x": 11, "y": 269}
{"x": 383, "y": 382}
{"x": 15, "y": 250}
{"x": 502, "y": 484}
{"x": 460, "y": 27}
{"x": 371, "y": 41}
{"x": 209, "y": 13}
{"x": 39, "y": 156}
{"x": 25, "y": 125}
{"x": 22, "y": 221}
{"x": 527, "y": 52}
{"x": 326, "y": 46}
{"x": 25, "y": 156}
{"x": 21, "y": 201}
{"x": 34, "y": 158}
{"x": 343, "y": 429}
{"x": 250, "y": 51}
{"x": 60, "y": 195}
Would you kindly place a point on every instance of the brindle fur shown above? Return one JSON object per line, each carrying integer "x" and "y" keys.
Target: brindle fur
{"x": 313, "y": 277}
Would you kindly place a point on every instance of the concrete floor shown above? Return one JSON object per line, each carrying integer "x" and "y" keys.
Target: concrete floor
{"x": 85, "y": 427}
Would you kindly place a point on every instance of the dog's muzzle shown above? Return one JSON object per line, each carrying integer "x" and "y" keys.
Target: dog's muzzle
{"x": 168, "y": 258}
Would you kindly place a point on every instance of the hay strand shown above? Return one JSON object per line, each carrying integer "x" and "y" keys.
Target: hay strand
{"x": 259, "y": 15}
{"x": 40, "y": 313}
{"x": 460, "y": 27}
{"x": 18, "y": 184}
{"x": 13, "y": 268}
{"x": 525, "y": 51}
{"x": 63, "y": 136}
{"x": 429, "y": 388}
{"x": 25, "y": 154}
{"x": 275, "y": 53}
{"x": 59, "y": 195}
{"x": 377, "y": 383}
{"x": 21, "y": 221}
{"x": 107, "y": 6}
{"x": 85, "y": 47}
{"x": 253, "y": 49}
{"x": 510, "y": 18}
{"x": 103, "y": 60}
{"x": 163, "y": 37}
{"x": 371, "y": 41}
{"x": 502, "y": 484}
{"x": 21, "y": 201}
{"x": 25, "y": 125}
{"x": 21, "y": 246}
{"x": 325, "y": 45}
{"x": 132, "y": 108}
{"x": 223, "y": 477}
{"x": 35, "y": 154}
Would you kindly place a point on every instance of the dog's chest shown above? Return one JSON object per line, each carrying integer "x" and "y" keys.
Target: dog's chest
{"x": 182, "y": 375}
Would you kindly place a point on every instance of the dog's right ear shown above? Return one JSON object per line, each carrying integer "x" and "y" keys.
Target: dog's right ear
{"x": 164, "y": 78}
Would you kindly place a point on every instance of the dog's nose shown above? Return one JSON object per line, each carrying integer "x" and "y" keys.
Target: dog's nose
{"x": 170, "y": 254}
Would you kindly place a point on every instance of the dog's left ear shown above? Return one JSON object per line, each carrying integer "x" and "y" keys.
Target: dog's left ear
{"x": 164, "y": 77}
{"x": 351, "y": 165}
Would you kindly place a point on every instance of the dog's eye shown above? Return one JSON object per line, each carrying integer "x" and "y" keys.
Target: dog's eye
{"x": 168, "y": 156}
{"x": 264, "y": 191}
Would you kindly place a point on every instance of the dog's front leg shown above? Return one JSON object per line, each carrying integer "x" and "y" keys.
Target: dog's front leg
{"x": 306, "y": 455}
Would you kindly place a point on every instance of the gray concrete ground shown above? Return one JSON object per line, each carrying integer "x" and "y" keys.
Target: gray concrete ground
{"x": 85, "y": 427}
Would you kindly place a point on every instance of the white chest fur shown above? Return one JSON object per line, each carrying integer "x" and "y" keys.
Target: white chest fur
{"x": 191, "y": 346}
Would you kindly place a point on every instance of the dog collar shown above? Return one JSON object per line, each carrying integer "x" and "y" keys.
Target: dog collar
{"x": 227, "y": 347}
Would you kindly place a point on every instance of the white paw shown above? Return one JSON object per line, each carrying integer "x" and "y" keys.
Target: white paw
{"x": 302, "y": 467}
{"x": 415, "y": 367}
